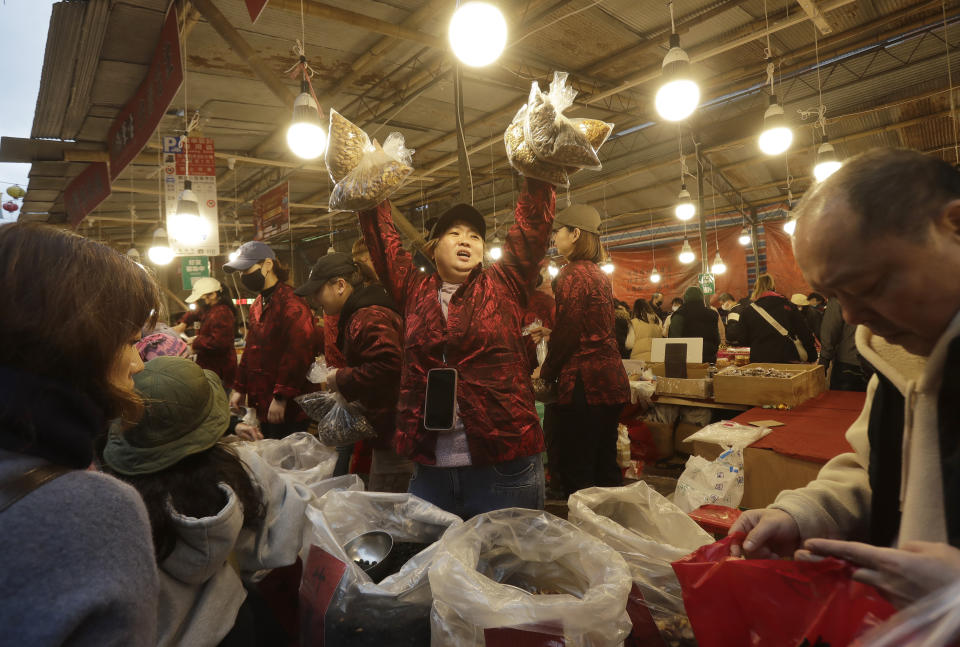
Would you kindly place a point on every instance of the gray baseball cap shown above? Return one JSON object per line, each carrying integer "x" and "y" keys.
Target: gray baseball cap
{"x": 579, "y": 216}
{"x": 249, "y": 255}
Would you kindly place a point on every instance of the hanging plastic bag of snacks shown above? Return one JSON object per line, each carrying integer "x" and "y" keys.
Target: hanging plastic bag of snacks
{"x": 551, "y": 135}
{"x": 338, "y": 422}
{"x": 379, "y": 173}
{"x": 524, "y": 160}
{"x": 345, "y": 146}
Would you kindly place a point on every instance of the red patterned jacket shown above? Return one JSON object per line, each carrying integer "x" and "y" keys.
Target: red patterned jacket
{"x": 480, "y": 338}
{"x": 279, "y": 351}
{"x": 332, "y": 354}
{"x": 583, "y": 339}
{"x": 543, "y": 307}
{"x": 372, "y": 343}
{"x": 214, "y": 342}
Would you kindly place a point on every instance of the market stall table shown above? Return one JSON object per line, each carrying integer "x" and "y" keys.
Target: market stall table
{"x": 791, "y": 455}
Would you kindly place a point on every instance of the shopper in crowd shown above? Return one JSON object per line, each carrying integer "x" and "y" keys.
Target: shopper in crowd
{"x": 695, "y": 320}
{"x": 621, "y": 326}
{"x": 467, "y": 318}
{"x": 656, "y": 300}
{"x": 371, "y": 338}
{"x": 839, "y": 349}
{"x": 816, "y": 300}
{"x": 675, "y": 305}
{"x": 811, "y": 315}
{"x": 882, "y": 231}
{"x": 280, "y": 343}
{"x": 219, "y": 513}
{"x": 77, "y": 566}
{"x": 726, "y": 303}
{"x": 583, "y": 357}
{"x": 772, "y": 327}
{"x": 541, "y": 307}
{"x": 213, "y": 343}
{"x": 645, "y": 326}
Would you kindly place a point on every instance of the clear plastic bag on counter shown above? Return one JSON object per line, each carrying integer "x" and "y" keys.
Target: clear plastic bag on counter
{"x": 338, "y": 422}
{"x": 650, "y": 533}
{"x": 705, "y": 482}
{"x": 339, "y": 603}
{"x": 345, "y": 146}
{"x": 513, "y": 575}
{"x": 380, "y": 172}
{"x": 551, "y": 135}
{"x": 524, "y": 160}
{"x": 729, "y": 434}
{"x": 298, "y": 456}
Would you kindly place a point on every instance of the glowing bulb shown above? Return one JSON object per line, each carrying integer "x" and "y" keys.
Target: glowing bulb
{"x": 496, "y": 251}
{"x": 685, "y": 209}
{"x": 552, "y": 270}
{"x": 477, "y": 33}
{"x": 607, "y": 268}
{"x": 744, "y": 238}
{"x": 423, "y": 269}
{"x": 187, "y": 226}
{"x": 718, "y": 267}
{"x": 776, "y": 136}
{"x": 234, "y": 255}
{"x": 686, "y": 253}
{"x": 160, "y": 255}
{"x": 192, "y": 306}
{"x": 827, "y": 162}
{"x": 133, "y": 254}
{"x": 678, "y": 97}
{"x": 305, "y": 136}
{"x": 654, "y": 276}
{"x": 790, "y": 226}
{"x": 331, "y": 249}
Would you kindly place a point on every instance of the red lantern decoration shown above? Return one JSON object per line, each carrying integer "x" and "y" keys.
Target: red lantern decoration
{"x": 10, "y": 205}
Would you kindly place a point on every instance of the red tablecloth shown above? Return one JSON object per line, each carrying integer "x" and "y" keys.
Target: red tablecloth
{"x": 813, "y": 431}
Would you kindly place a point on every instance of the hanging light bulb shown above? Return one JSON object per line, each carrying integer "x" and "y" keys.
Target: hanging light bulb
{"x": 552, "y": 270}
{"x": 477, "y": 33}
{"x": 790, "y": 226}
{"x": 678, "y": 97}
{"x": 686, "y": 253}
{"x": 234, "y": 255}
{"x": 744, "y": 237}
{"x": 685, "y": 208}
{"x": 305, "y": 136}
{"x": 192, "y": 306}
{"x": 608, "y": 267}
{"x": 718, "y": 267}
{"x": 827, "y": 162}
{"x": 133, "y": 254}
{"x": 655, "y": 276}
{"x": 160, "y": 252}
{"x": 186, "y": 225}
{"x": 776, "y": 136}
{"x": 496, "y": 251}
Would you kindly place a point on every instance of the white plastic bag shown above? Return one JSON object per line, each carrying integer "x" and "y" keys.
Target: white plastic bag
{"x": 718, "y": 482}
{"x": 524, "y": 160}
{"x": 932, "y": 621}
{"x": 551, "y": 135}
{"x": 339, "y": 603}
{"x": 485, "y": 570}
{"x": 318, "y": 370}
{"x": 338, "y": 422}
{"x": 729, "y": 434}
{"x": 380, "y": 172}
{"x": 650, "y": 533}
{"x": 299, "y": 457}
{"x": 541, "y": 345}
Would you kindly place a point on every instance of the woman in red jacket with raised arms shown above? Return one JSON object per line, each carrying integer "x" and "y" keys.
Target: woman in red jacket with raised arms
{"x": 583, "y": 358}
{"x": 482, "y": 449}
{"x": 280, "y": 344}
{"x": 213, "y": 343}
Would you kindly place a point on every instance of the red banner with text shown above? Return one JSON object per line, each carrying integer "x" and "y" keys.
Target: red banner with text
{"x": 86, "y": 191}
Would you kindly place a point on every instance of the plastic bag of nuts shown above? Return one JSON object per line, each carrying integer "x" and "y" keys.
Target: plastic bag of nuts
{"x": 345, "y": 147}
{"x": 551, "y": 135}
{"x": 524, "y": 160}
{"x": 380, "y": 172}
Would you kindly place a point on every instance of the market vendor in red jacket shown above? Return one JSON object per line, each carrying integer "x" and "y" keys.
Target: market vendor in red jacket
{"x": 468, "y": 318}
{"x": 370, "y": 337}
{"x": 213, "y": 343}
{"x": 280, "y": 343}
{"x": 582, "y": 357}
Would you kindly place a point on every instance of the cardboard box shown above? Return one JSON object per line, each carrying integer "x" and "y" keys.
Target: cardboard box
{"x": 806, "y": 381}
{"x": 663, "y": 439}
{"x": 696, "y": 384}
{"x": 685, "y": 430}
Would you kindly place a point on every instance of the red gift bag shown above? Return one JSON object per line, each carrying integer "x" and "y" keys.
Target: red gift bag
{"x": 775, "y": 603}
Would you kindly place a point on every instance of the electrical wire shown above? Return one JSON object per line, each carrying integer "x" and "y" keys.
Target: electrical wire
{"x": 458, "y": 108}
{"x": 555, "y": 21}
{"x": 953, "y": 119}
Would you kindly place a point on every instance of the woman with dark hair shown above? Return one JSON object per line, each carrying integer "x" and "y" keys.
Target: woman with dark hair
{"x": 77, "y": 565}
{"x": 772, "y": 327}
{"x": 280, "y": 345}
{"x": 583, "y": 357}
{"x": 219, "y": 513}
{"x": 694, "y": 319}
{"x": 214, "y": 342}
{"x": 645, "y": 326}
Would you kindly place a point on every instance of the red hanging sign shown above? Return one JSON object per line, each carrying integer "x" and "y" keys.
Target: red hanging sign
{"x": 255, "y": 8}
{"x": 139, "y": 118}
{"x": 86, "y": 191}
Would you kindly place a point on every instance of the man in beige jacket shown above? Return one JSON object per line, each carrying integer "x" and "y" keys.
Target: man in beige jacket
{"x": 882, "y": 232}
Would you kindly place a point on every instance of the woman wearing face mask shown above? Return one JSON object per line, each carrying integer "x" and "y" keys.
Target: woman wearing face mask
{"x": 280, "y": 343}
{"x": 213, "y": 343}
{"x": 583, "y": 357}
{"x": 483, "y": 453}
{"x": 77, "y": 565}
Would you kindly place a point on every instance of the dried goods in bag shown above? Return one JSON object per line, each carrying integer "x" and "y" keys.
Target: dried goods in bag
{"x": 338, "y": 422}
{"x": 597, "y": 132}
{"x": 551, "y": 135}
{"x": 523, "y": 159}
{"x": 380, "y": 172}
{"x": 345, "y": 146}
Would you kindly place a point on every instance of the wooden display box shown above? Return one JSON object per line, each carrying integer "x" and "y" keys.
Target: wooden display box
{"x": 806, "y": 381}
{"x": 696, "y": 384}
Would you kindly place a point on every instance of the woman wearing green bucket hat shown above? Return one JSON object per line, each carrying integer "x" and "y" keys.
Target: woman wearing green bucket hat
{"x": 209, "y": 501}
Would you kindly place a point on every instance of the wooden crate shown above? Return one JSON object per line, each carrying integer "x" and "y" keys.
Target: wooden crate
{"x": 806, "y": 381}
{"x": 696, "y": 384}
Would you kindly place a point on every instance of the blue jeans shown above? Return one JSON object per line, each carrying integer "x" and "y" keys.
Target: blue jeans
{"x": 469, "y": 491}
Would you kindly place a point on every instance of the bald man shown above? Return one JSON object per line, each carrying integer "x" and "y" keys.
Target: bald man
{"x": 882, "y": 235}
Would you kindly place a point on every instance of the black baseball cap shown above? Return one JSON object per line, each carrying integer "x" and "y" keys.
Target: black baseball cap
{"x": 463, "y": 212}
{"x": 326, "y": 268}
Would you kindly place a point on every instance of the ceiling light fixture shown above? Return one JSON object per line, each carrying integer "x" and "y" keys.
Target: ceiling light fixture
{"x": 686, "y": 255}
{"x": 477, "y": 33}
{"x": 679, "y": 95}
